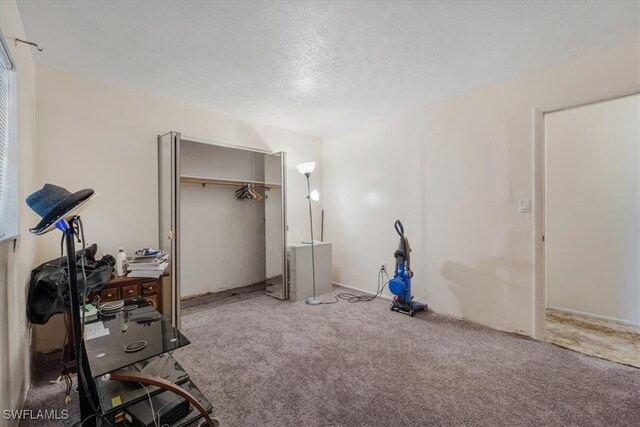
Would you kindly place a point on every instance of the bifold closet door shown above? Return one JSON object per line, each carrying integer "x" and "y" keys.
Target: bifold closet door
{"x": 169, "y": 211}
{"x": 275, "y": 221}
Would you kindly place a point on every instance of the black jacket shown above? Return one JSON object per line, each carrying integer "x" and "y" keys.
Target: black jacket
{"x": 43, "y": 301}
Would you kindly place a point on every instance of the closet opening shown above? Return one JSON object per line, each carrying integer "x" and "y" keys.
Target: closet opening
{"x": 227, "y": 232}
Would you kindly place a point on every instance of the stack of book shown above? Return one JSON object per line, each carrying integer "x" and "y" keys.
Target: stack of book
{"x": 148, "y": 263}
{"x": 90, "y": 312}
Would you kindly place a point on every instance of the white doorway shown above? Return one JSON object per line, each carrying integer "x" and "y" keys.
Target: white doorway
{"x": 592, "y": 228}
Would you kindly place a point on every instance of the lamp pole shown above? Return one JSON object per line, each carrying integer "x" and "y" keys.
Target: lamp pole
{"x": 86, "y": 386}
{"x": 312, "y": 300}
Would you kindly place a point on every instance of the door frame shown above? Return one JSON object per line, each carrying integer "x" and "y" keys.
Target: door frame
{"x": 539, "y": 210}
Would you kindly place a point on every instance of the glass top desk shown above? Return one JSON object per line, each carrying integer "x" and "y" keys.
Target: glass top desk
{"x": 105, "y": 342}
{"x": 107, "y": 337}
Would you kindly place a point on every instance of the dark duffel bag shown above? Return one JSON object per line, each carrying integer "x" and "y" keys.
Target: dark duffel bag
{"x": 43, "y": 300}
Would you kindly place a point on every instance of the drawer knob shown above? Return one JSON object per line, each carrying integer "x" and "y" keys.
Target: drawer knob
{"x": 150, "y": 288}
{"x": 109, "y": 295}
{"x": 130, "y": 291}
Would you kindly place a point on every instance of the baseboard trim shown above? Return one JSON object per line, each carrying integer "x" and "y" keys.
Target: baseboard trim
{"x": 188, "y": 297}
{"x": 453, "y": 316}
{"x": 597, "y": 316}
{"x": 387, "y": 297}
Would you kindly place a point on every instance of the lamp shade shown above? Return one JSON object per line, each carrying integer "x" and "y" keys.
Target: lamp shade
{"x": 306, "y": 167}
{"x": 315, "y": 196}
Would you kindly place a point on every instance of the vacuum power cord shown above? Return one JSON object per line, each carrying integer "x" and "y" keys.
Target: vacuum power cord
{"x": 353, "y": 298}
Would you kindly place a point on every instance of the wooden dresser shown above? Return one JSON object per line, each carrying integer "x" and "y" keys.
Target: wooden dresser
{"x": 129, "y": 287}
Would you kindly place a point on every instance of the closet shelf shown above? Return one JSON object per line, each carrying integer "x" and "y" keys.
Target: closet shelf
{"x": 225, "y": 182}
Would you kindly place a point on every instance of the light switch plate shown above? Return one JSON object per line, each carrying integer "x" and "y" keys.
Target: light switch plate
{"x": 523, "y": 206}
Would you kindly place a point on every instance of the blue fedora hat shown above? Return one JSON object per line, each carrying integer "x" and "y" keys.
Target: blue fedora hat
{"x": 53, "y": 203}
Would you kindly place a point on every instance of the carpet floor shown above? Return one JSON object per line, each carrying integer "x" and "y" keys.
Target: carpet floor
{"x": 594, "y": 336}
{"x": 264, "y": 362}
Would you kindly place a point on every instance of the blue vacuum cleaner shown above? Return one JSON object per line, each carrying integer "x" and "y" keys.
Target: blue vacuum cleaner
{"x": 400, "y": 285}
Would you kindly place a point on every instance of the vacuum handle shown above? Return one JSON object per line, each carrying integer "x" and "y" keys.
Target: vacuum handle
{"x": 399, "y": 228}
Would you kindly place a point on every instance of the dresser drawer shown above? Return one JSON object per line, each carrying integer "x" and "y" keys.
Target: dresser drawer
{"x": 130, "y": 291}
{"x": 110, "y": 294}
{"x": 149, "y": 288}
{"x": 153, "y": 300}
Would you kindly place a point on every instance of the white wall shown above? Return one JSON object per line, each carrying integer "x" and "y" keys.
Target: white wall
{"x": 94, "y": 134}
{"x": 592, "y": 202}
{"x": 15, "y": 266}
{"x": 453, "y": 173}
{"x": 223, "y": 239}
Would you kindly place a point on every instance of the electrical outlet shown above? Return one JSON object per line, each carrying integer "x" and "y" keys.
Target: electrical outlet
{"x": 383, "y": 267}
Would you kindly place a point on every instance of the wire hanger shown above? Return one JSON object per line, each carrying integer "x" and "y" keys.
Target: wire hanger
{"x": 248, "y": 192}
{"x": 243, "y": 192}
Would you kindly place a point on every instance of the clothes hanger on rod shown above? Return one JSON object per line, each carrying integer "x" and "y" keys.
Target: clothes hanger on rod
{"x": 254, "y": 193}
{"x": 241, "y": 193}
{"x": 247, "y": 191}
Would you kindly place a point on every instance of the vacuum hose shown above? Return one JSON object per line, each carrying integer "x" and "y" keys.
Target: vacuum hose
{"x": 403, "y": 253}
{"x": 399, "y": 228}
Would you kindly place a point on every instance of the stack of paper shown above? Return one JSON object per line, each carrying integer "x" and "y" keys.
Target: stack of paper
{"x": 148, "y": 263}
{"x": 95, "y": 330}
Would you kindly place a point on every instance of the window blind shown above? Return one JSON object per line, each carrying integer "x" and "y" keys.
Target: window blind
{"x": 8, "y": 146}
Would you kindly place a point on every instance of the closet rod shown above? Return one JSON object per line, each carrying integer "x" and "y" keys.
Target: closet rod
{"x": 227, "y": 182}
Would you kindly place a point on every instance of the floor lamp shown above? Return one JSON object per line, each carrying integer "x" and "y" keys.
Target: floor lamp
{"x": 306, "y": 169}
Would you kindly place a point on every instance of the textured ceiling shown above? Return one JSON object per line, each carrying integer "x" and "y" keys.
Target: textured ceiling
{"x": 318, "y": 67}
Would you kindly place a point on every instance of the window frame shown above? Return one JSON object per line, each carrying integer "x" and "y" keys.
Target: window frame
{"x": 12, "y": 137}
